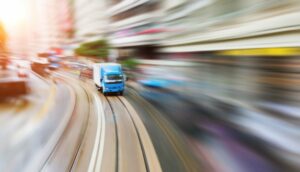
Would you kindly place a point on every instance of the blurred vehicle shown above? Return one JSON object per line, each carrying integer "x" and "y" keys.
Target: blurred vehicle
{"x": 75, "y": 65}
{"x": 54, "y": 59}
{"x": 44, "y": 54}
{"x": 86, "y": 73}
{"x": 39, "y": 66}
{"x": 12, "y": 87}
{"x": 109, "y": 77}
{"x": 22, "y": 73}
{"x": 4, "y": 62}
{"x": 55, "y": 62}
{"x": 65, "y": 57}
{"x": 53, "y": 66}
{"x": 155, "y": 83}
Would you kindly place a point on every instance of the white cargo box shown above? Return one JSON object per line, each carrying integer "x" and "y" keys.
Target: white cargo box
{"x": 97, "y": 74}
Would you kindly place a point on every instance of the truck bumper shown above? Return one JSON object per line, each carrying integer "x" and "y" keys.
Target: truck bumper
{"x": 113, "y": 90}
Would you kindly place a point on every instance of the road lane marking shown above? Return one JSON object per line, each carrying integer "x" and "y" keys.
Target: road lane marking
{"x": 29, "y": 126}
{"x": 48, "y": 103}
{"x": 99, "y": 131}
{"x": 98, "y": 146}
{"x": 130, "y": 155}
{"x": 150, "y": 153}
{"x": 97, "y": 155}
{"x": 170, "y": 135}
{"x": 51, "y": 144}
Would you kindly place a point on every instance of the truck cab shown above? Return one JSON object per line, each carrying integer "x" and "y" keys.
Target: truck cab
{"x": 109, "y": 78}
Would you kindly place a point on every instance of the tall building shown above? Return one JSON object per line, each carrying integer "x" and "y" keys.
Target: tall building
{"x": 90, "y": 22}
{"x": 133, "y": 23}
{"x": 124, "y": 23}
{"x": 49, "y": 24}
{"x": 150, "y": 27}
{"x": 146, "y": 28}
{"x": 134, "y": 26}
{"x": 211, "y": 25}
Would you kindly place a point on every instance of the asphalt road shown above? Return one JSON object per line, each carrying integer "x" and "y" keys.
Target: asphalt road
{"x": 131, "y": 135}
{"x": 137, "y": 137}
{"x": 31, "y": 125}
{"x": 221, "y": 146}
{"x": 65, "y": 124}
{"x": 171, "y": 144}
{"x": 121, "y": 143}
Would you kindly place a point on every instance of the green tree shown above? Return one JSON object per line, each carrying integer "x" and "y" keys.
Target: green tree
{"x": 98, "y": 49}
{"x": 130, "y": 63}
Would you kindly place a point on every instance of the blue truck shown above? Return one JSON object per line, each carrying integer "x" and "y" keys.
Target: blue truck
{"x": 109, "y": 78}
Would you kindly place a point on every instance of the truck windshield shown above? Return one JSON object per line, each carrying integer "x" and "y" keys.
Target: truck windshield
{"x": 114, "y": 77}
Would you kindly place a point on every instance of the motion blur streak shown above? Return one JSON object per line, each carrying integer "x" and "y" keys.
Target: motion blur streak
{"x": 242, "y": 111}
{"x": 202, "y": 85}
{"x": 279, "y": 52}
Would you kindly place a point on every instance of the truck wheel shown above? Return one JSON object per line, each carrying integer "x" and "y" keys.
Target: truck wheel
{"x": 121, "y": 93}
{"x": 104, "y": 93}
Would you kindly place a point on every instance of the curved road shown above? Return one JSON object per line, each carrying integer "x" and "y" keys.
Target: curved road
{"x": 124, "y": 143}
{"x": 65, "y": 124}
{"x": 118, "y": 141}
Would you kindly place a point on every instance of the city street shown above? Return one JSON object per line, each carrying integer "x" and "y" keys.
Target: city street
{"x": 109, "y": 136}
{"x": 149, "y": 86}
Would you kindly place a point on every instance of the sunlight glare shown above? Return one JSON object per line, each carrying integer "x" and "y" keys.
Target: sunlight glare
{"x": 12, "y": 12}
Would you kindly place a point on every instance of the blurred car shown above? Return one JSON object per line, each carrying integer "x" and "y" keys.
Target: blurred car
{"x": 75, "y": 65}
{"x": 54, "y": 66}
{"x": 22, "y": 73}
{"x": 12, "y": 87}
{"x": 39, "y": 66}
{"x": 4, "y": 62}
{"x": 86, "y": 73}
{"x": 44, "y": 54}
{"x": 54, "y": 59}
{"x": 155, "y": 83}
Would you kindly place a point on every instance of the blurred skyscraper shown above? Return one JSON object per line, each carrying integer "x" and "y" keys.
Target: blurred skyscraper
{"x": 52, "y": 24}
{"x": 143, "y": 27}
{"x": 209, "y": 25}
{"x": 48, "y": 24}
{"x": 90, "y": 22}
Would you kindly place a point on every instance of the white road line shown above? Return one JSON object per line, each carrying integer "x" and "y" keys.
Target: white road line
{"x": 151, "y": 156}
{"x": 100, "y": 153}
{"x": 97, "y": 154}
